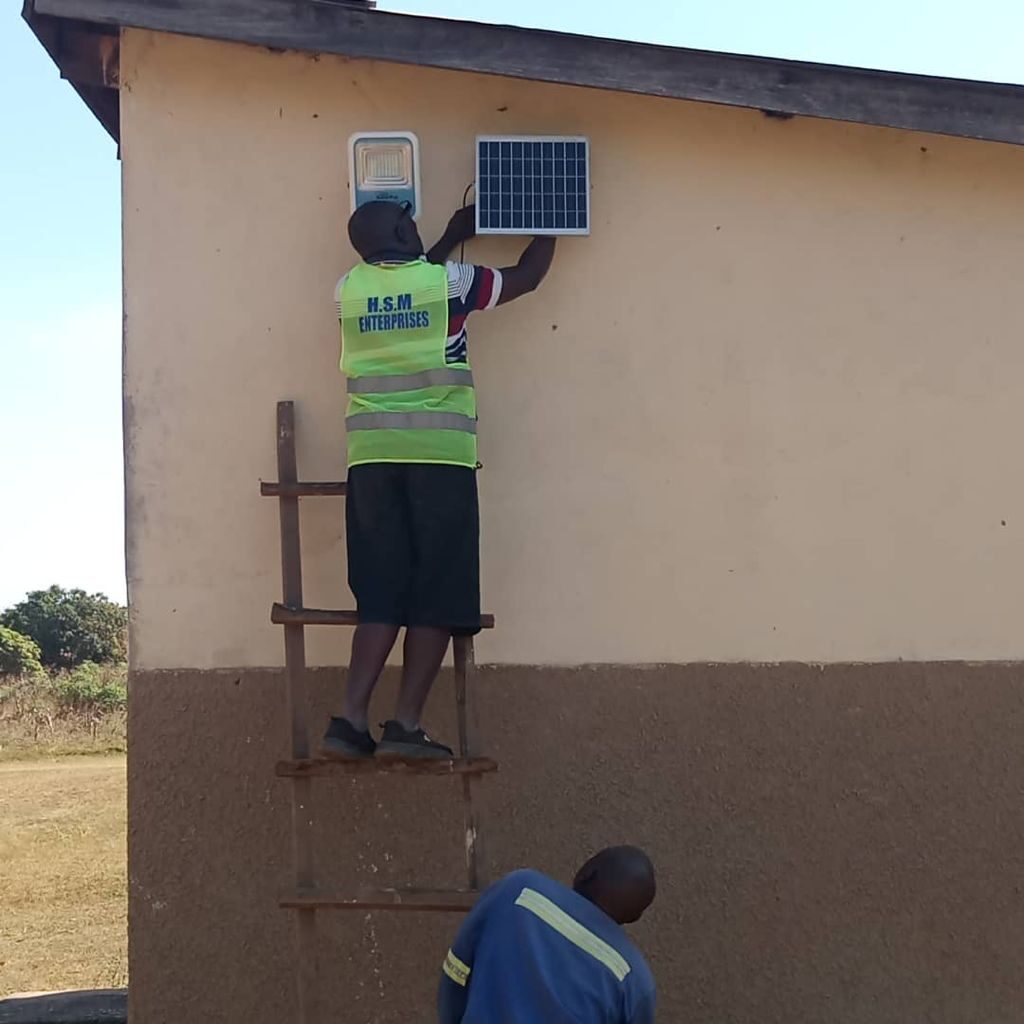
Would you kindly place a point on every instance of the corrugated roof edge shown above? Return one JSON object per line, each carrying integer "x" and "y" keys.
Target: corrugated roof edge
{"x": 969, "y": 109}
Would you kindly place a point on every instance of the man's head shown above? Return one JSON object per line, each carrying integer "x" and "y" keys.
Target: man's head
{"x": 619, "y": 880}
{"x": 381, "y": 229}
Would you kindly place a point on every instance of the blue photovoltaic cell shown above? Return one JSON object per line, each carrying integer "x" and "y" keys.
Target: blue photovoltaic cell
{"x": 532, "y": 186}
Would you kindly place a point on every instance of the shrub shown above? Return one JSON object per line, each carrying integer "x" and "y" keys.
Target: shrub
{"x": 91, "y": 688}
{"x": 78, "y": 712}
{"x": 71, "y": 626}
{"x": 19, "y": 654}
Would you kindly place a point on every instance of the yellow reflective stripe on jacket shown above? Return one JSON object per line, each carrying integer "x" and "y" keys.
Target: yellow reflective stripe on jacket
{"x": 568, "y": 926}
{"x": 456, "y": 969}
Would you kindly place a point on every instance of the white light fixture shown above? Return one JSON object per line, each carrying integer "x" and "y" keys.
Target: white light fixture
{"x": 384, "y": 166}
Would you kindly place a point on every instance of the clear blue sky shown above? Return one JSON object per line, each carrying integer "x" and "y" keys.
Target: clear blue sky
{"x": 60, "y": 301}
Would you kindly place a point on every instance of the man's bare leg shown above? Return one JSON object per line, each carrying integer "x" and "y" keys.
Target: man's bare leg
{"x": 425, "y": 647}
{"x": 371, "y": 646}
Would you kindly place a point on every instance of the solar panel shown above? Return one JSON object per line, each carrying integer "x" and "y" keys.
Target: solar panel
{"x": 532, "y": 185}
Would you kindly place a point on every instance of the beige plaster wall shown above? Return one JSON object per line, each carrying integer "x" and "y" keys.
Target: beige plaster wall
{"x": 770, "y": 410}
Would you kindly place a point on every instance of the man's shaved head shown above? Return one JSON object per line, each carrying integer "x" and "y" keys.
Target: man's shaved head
{"x": 380, "y": 229}
{"x": 619, "y": 880}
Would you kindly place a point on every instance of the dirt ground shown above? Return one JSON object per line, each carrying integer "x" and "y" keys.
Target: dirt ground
{"x": 63, "y": 886}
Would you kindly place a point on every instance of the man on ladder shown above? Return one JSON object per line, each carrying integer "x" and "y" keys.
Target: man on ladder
{"x": 412, "y": 519}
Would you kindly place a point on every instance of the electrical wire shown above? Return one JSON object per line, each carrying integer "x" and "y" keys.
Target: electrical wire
{"x": 465, "y": 198}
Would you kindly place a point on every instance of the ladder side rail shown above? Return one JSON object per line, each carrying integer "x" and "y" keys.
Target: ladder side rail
{"x": 465, "y": 667}
{"x": 295, "y": 677}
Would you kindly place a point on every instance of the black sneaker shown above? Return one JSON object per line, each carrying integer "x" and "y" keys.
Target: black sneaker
{"x": 344, "y": 742}
{"x": 398, "y": 743}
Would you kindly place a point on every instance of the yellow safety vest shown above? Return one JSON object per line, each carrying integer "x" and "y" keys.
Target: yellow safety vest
{"x": 405, "y": 402}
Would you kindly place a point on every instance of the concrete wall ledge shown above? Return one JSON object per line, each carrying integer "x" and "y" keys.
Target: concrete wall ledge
{"x": 97, "y": 1006}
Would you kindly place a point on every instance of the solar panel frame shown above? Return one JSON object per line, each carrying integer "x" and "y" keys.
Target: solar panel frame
{"x": 533, "y": 185}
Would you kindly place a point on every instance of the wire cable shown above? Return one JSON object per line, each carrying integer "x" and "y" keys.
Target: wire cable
{"x": 465, "y": 197}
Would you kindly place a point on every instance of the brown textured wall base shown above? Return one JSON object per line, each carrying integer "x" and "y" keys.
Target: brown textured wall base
{"x": 840, "y": 843}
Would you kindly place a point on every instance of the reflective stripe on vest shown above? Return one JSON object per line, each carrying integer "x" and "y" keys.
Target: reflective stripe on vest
{"x": 411, "y": 421}
{"x": 410, "y": 381}
{"x": 406, "y": 403}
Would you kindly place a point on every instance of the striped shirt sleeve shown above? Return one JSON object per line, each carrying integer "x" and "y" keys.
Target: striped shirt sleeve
{"x": 472, "y": 288}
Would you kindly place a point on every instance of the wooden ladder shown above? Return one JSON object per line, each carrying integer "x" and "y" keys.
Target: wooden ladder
{"x": 307, "y": 897}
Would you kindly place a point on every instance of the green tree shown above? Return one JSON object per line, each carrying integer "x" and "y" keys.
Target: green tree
{"x": 19, "y": 654}
{"x": 71, "y": 626}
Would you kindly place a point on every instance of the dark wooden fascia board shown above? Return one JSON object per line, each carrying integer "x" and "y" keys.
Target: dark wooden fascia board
{"x": 90, "y": 57}
{"x": 105, "y": 105}
{"x": 87, "y": 56}
{"x": 978, "y": 110}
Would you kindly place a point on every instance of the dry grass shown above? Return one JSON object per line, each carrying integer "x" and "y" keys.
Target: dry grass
{"x": 39, "y": 719}
{"x": 45, "y": 737}
{"x": 28, "y": 739}
{"x": 63, "y": 876}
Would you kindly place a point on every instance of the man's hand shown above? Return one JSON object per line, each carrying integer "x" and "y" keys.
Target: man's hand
{"x": 461, "y": 228}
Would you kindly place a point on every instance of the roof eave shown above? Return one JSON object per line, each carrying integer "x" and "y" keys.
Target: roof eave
{"x": 87, "y": 55}
{"x": 976, "y": 110}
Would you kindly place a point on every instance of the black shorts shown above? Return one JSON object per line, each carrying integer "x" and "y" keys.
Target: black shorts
{"x": 413, "y": 535}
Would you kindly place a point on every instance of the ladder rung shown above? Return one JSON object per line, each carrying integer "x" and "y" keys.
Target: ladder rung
{"x": 286, "y": 615}
{"x": 301, "y": 489}
{"x": 367, "y": 898}
{"x": 320, "y": 766}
